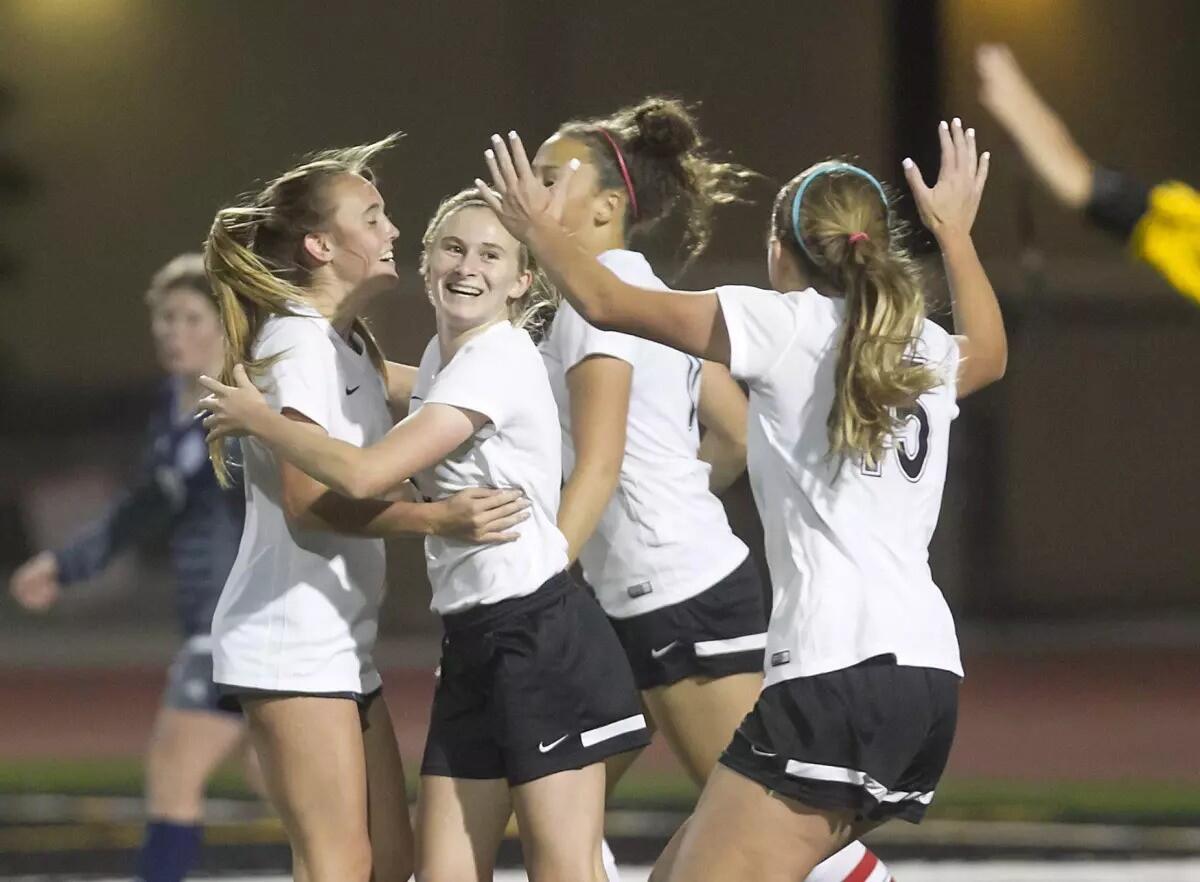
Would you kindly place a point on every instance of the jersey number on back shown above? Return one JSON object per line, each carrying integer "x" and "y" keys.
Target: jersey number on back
{"x": 911, "y": 444}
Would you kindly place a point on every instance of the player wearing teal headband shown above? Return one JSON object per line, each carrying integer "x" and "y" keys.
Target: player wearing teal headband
{"x": 852, "y": 392}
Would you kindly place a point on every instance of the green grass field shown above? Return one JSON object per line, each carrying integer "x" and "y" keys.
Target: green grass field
{"x": 1126, "y": 802}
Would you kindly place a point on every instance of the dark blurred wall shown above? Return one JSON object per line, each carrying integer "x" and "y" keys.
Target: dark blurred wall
{"x": 1095, "y": 481}
{"x": 142, "y": 116}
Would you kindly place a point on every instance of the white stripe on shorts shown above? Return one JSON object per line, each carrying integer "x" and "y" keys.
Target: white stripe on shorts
{"x": 735, "y": 644}
{"x": 818, "y": 772}
{"x": 612, "y": 730}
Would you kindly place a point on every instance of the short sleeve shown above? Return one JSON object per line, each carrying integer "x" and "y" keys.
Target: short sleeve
{"x": 761, "y": 326}
{"x": 574, "y": 339}
{"x": 304, "y": 368}
{"x": 942, "y": 353}
{"x": 488, "y": 375}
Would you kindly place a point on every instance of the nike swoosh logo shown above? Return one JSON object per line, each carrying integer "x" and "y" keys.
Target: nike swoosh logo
{"x": 546, "y": 748}
{"x": 350, "y": 391}
{"x": 659, "y": 653}
{"x": 758, "y": 752}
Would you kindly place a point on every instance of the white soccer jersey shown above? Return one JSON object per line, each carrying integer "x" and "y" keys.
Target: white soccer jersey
{"x": 499, "y": 374}
{"x": 847, "y": 545}
{"x": 663, "y": 537}
{"x": 300, "y": 608}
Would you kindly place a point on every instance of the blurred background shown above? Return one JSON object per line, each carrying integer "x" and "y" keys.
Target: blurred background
{"x": 1066, "y": 545}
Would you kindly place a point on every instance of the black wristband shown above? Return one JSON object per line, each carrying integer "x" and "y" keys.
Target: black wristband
{"x": 1117, "y": 201}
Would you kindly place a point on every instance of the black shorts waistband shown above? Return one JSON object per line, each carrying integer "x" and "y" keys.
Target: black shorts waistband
{"x": 486, "y": 615}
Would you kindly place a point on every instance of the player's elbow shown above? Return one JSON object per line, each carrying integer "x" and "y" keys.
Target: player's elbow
{"x": 996, "y": 364}
{"x": 361, "y": 485}
{"x": 731, "y": 441}
{"x": 599, "y": 308}
{"x": 982, "y": 371}
{"x": 599, "y": 474}
{"x": 298, "y": 512}
{"x": 733, "y": 454}
{"x": 597, "y": 313}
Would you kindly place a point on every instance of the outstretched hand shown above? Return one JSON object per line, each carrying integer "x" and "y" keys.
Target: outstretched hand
{"x": 519, "y": 199}
{"x": 949, "y": 207}
{"x": 232, "y": 410}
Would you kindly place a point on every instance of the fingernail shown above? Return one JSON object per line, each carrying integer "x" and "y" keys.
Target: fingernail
{"x": 942, "y": 125}
{"x": 907, "y": 163}
{"x": 496, "y": 138}
{"x": 987, "y": 154}
{"x": 512, "y": 133}
{"x": 489, "y": 153}
{"x": 957, "y": 123}
{"x": 970, "y": 133}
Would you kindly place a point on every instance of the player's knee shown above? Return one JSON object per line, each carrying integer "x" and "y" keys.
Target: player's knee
{"x": 392, "y": 865}
{"x": 566, "y": 867}
{"x": 344, "y": 860}
{"x": 455, "y": 870}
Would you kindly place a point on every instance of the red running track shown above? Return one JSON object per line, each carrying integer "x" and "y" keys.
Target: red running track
{"x": 1097, "y": 715}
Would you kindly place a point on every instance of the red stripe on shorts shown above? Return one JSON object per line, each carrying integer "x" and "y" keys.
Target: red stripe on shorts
{"x": 864, "y": 869}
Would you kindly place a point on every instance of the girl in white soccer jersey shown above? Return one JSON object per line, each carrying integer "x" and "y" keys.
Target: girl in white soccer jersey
{"x": 535, "y": 692}
{"x": 639, "y": 508}
{"x": 852, "y": 392}
{"x": 295, "y": 625}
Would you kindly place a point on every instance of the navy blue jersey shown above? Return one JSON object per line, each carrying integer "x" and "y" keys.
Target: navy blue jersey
{"x": 175, "y": 493}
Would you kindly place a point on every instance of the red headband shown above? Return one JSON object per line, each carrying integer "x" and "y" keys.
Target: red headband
{"x": 624, "y": 172}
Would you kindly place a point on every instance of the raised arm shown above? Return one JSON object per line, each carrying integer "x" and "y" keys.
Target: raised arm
{"x": 420, "y": 441}
{"x": 1040, "y": 134}
{"x": 689, "y": 322}
{"x": 948, "y": 209}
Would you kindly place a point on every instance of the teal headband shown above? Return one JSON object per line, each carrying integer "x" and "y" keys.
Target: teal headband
{"x": 826, "y": 168}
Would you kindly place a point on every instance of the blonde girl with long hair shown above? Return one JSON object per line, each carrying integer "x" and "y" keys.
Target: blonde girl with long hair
{"x": 293, "y": 267}
{"x": 535, "y": 692}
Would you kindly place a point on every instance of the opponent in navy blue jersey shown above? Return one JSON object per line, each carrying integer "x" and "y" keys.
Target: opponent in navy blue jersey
{"x": 175, "y": 494}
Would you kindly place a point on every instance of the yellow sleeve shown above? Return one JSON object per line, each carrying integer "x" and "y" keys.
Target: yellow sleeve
{"x": 1168, "y": 236}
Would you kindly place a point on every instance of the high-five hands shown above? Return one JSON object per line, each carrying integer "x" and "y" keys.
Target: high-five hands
{"x": 519, "y": 199}
{"x": 950, "y": 205}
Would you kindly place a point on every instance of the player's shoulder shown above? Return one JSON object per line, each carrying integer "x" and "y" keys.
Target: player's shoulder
{"x": 281, "y": 333}
{"x": 935, "y": 342}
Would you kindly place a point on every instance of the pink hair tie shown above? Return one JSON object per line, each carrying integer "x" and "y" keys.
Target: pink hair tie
{"x": 624, "y": 171}
{"x": 855, "y": 238}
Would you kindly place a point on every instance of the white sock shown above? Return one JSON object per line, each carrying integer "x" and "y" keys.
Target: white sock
{"x": 851, "y": 863}
{"x": 610, "y": 862}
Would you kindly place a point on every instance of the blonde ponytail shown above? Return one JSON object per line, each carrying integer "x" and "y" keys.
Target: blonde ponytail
{"x": 253, "y": 257}
{"x": 834, "y": 218}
